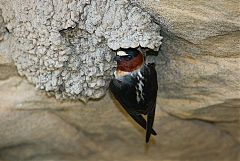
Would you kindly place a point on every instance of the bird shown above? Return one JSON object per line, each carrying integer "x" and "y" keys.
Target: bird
{"x": 134, "y": 86}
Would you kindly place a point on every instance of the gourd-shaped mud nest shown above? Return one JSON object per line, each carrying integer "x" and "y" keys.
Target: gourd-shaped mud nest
{"x": 65, "y": 47}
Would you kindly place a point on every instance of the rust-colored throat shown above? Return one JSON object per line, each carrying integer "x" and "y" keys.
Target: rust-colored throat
{"x": 131, "y": 65}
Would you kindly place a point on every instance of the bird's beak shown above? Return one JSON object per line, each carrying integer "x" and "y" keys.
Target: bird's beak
{"x": 116, "y": 58}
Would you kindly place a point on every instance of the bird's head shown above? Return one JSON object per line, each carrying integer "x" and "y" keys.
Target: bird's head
{"x": 128, "y": 60}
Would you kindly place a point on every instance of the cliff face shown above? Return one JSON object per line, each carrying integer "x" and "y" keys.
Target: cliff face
{"x": 64, "y": 48}
{"x": 199, "y": 62}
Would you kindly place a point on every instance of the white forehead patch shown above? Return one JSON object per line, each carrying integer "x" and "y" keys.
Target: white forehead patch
{"x": 121, "y": 53}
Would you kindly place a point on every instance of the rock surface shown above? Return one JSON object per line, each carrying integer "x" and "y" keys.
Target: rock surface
{"x": 35, "y": 127}
{"x": 198, "y": 106}
{"x": 199, "y": 62}
{"x": 2, "y": 26}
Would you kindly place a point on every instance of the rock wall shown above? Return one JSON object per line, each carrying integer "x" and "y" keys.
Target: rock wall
{"x": 2, "y": 26}
{"x": 199, "y": 62}
{"x": 198, "y": 105}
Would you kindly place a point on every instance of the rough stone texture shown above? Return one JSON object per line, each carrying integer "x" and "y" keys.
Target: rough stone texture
{"x": 2, "y": 26}
{"x": 199, "y": 62}
{"x": 197, "y": 74}
{"x": 198, "y": 107}
{"x": 64, "y": 47}
{"x": 7, "y": 68}
{"x": 35, "y": 127}
{"x": 194, "y": 20}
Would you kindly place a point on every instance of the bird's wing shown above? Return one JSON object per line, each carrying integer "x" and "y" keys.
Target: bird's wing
{"x": 116, "y": 85}
{"x": 150, "y": 120}
{"x": 142, "y": 122}
{"x": 150, "y": 85}
{"x": 150, "y": 90}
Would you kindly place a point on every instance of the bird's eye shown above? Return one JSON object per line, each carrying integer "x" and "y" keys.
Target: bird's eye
{"x": 129, "y": 56}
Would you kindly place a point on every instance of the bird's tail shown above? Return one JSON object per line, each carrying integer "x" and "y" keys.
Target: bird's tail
{"x": 150, "y": 120}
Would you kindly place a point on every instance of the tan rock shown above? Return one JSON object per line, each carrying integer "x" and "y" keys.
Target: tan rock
{"x": 2, "y": 26}
{"x": 36, "y": 127}
{"x": 197, "y": 116}
{"x": 195, "y": 20}
{"x": 199, "y": 63}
